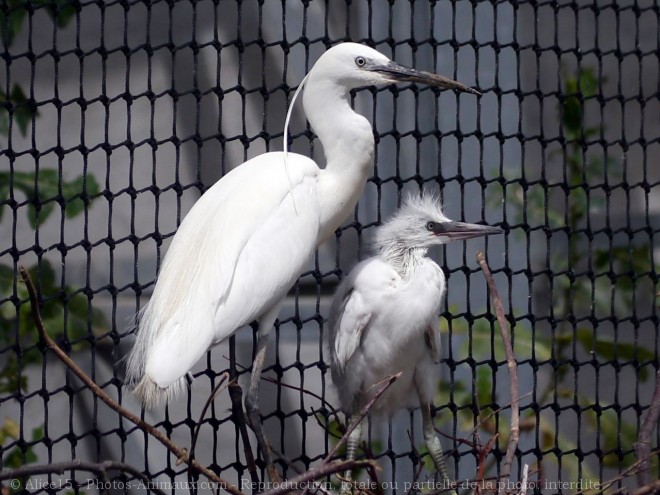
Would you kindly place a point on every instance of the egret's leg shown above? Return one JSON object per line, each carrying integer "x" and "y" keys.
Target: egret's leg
{"x": 352, "y": 443}
{"x": 433, "y": 445}
{"x": 252, "y": 397}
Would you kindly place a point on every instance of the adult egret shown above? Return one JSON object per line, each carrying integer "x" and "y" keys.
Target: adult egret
{"x": 384, "y": 319}
{"x": 245, "y": 242}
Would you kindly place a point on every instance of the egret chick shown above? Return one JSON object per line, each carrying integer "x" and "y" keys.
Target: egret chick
{"x": 384, "y": 319}
{"x": 245, "y": 242}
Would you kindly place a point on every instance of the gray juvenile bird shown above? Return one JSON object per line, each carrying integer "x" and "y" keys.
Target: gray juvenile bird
{"x": 384, "y": 318}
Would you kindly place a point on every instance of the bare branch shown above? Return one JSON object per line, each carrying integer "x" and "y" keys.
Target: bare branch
{"x": 652, "y": 488}
{"x": 643, "y": 445}
{"x": 333, "y": 411}
{"x": 511, "y": 364}
{"x": 100, "y": 469}
{"x": 381, "y": 387}
{"x": 496, "y": 411}
{"x": 629, "y": 471}
{"x": 293, "y": 467}
{"x": 179, "y": 452}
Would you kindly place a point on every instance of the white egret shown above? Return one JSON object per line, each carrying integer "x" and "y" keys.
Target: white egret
{"x": 384, "y": 319}
{"x": 242, "y": 246}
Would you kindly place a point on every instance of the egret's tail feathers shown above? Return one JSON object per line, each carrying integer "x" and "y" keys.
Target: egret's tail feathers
{"x": 152, "y": 395}
{"x": 137, "y": 379}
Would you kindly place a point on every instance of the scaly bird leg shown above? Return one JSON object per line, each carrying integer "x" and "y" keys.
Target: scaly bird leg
{"x": 434, "y": 447}
{"x": 252, "y": 398}
{"x": 352, "y": 443}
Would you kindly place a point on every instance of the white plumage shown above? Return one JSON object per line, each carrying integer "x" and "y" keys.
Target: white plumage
{"x": 244, "y": 243}
{"x": 217, "y": 276}
{"x": 384, "y": 317}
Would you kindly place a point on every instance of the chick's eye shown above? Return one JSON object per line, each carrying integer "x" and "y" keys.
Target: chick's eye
{"x": 430, "y": 226}
{"x": 360, "y": 61}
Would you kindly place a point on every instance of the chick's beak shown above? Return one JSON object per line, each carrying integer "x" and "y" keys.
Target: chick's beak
{"x": 458, "y": 231}
{"x": 399, "y": 73}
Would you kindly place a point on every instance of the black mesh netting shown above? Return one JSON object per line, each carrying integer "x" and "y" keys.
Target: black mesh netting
{"x": 115, "y": 116}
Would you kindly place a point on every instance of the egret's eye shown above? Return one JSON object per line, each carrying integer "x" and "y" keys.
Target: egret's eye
{"x": 430, "y": 226}
{"x": 360, "y": 61}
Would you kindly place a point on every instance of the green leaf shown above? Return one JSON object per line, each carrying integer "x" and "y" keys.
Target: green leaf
{"x": 61, "y": 11}
{"x": 38, "y": 433}
{"x": 6, "y": 280}
{"x": 588, "y": 82}
{"x": 9, "y": 429}
{"x": 73, "y": 191}
{"x": 19, "y": 457}
{"x": 47, "y": 188}
{"x": 11, "y": 23}
{"x": 4, "y": 190}
{"x": 50, "y": 189}
{"x": 483, "y": 341}
{"x": 614, "y": 351}
{"x": 615, "y": 434}
{"x": 24, "y": 112}
{"x": 584, "y": 85}
{"x": 10, "y": 383}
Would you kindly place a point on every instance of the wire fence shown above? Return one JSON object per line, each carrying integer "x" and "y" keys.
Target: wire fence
{"x": 115, "y": 116}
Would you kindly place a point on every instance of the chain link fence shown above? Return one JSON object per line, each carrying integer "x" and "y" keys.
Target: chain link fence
{"x": 115, "y": 116}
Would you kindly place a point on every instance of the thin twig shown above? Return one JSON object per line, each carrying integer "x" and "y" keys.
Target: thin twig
{"x": 629, "y": 471}
{"x": 100, "y": 469}
{"x": 317, "y": 472}
{"x": 214, "y": 393}
{"x": 381, "y": 387}
{"x": 179, "y": 452}
{"x": 323, "y": 401}
{"x": 333, "y": 411}
{"x": 293, "y": 467}
{"x": 643, "y": 444}
{"x": 482, "y": 455}
{"x": 498, "y": 410}
{"x": 651, "y": 488}
{"x": 511, "y": 364}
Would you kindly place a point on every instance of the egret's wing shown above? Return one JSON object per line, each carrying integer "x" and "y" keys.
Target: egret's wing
{"x": 206, "y": 246}
{"x": 198, "y": 272}
{"x": 352, "y": 318}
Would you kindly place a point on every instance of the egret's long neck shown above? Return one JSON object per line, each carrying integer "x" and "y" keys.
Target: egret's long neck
{"x": 404, "y": 260}
{"x": 348, "y": 144}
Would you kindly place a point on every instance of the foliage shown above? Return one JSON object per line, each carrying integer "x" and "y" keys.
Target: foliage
{"x": 67, "y": 314}
{"x": 16, "y": 104}
{"x": 46, "y": 189}
{"x": 587, "y": 278}
{"x": 14, "y": 12}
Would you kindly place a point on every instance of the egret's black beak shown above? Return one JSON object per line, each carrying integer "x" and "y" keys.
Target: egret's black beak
{"x": 399, "y": 73}
{"x": 458, "y": 231}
